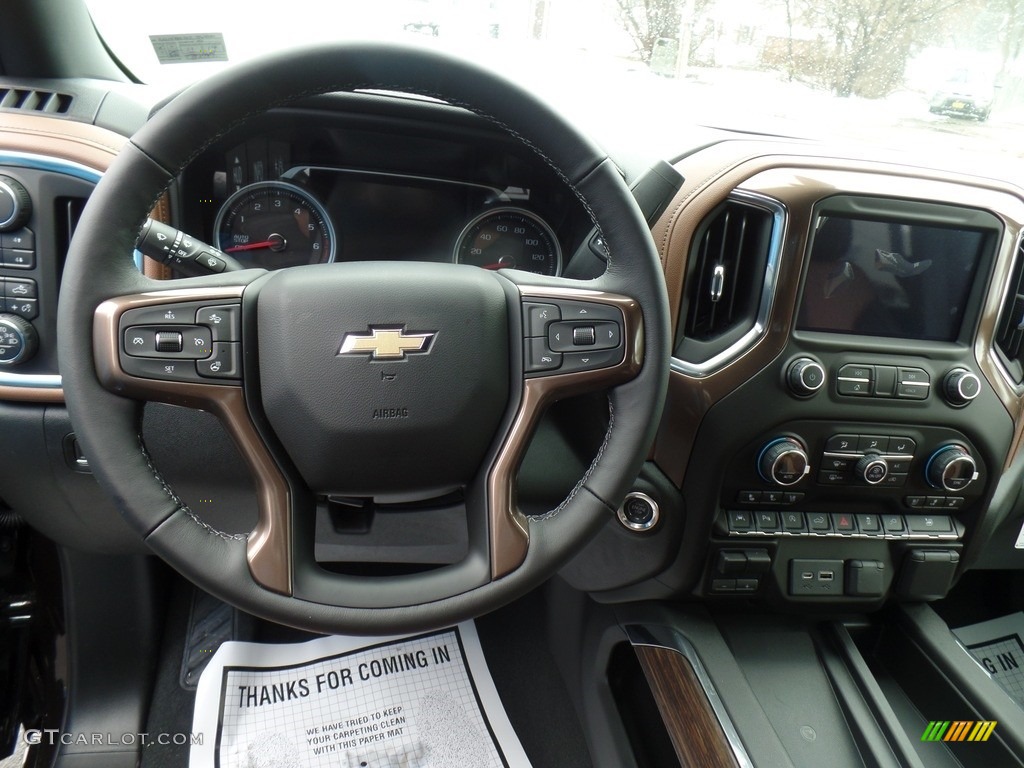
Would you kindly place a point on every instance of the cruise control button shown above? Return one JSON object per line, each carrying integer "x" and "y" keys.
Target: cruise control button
{"x": 539, "y": 357}
{"x": 165, "y": 370}
{"x": 225, "y": 363}
{"x": 587, "y": 361}
{"x": 224, "y": 321}
{"x": 140, "y": 342}
{"x": 161, "y": 314}
{"x": 167, "y": 341}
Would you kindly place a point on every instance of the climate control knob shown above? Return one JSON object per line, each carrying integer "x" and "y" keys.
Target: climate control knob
{"x": 805, "y": 377}
{"x": 872, "y": 469}
{"x": 961, "y": 386}
{"x": 15, "y": 205}
{"x": 783, "y": 461}
{"x": 951, "y": 468}
{"x": 18, "y": 340}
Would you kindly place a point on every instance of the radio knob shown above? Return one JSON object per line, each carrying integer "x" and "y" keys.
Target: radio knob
{"x": 805, "y": 377}
{"x": 15, "y": 204}
{"x": 951, "y": 468}
{"x": 783, "y": 462}
{"x": 961, "y": 386}
{"x": 18, "y": 340}
{"x": 872, "y": 469}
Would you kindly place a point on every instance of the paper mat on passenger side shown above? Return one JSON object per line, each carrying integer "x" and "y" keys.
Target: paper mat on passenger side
{"x": 424, "y": 701}
{"x": 998, "y": 646}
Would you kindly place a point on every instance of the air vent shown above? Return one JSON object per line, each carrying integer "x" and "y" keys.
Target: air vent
{"x": 1010, "y": 333}
{"x": 66, "y": 213}
{"x": 727, "y": 294}
{"x": 33, "y": 100}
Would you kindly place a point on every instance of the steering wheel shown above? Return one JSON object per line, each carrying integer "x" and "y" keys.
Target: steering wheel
{"x": 362, "y": 379}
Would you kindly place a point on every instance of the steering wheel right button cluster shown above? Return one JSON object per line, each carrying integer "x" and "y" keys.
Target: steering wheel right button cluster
{"x": 186, "y": 342}
{"x": 570, "y": 336}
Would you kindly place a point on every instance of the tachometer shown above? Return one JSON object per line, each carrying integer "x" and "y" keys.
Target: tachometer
{"x": 272, "y": 224}
{"x": 510, "y": 238}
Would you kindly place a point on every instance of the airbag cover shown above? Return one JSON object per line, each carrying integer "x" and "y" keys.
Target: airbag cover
{"x": 384, "y": 378}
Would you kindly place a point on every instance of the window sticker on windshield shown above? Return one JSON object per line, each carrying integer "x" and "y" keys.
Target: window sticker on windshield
{"x": 425, "y": 701}
{"x": 188, "y": 49}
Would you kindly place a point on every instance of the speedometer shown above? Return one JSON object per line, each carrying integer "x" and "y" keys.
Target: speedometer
{"x": 510, "y": 238}
{"x": 272, "y": 224}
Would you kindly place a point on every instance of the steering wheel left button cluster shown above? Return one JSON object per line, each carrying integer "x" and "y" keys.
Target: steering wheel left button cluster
{"x": 187, "y": 342}
{"x": 570, "y": 336}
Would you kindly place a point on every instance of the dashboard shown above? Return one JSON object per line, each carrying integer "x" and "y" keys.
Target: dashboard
{"x": 845, "y": 405}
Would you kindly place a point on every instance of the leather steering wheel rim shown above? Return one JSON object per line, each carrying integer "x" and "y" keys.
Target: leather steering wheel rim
{"x": 100, "y": 267}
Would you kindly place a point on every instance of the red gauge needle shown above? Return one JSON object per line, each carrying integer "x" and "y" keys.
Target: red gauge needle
{"x": 496, "y": 265}
{"x": 275, "y": 241}
{"x": 252, "y": 246}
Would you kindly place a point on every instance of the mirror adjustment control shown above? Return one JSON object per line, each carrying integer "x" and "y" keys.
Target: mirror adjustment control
{"x": 783, "y": 461}
{"x": 951, "y": 468}
{"x": 805, "y": 377}
{"x": 961, "y": 386}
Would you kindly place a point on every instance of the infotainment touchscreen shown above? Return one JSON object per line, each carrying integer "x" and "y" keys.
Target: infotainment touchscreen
{"x": 889, "y": 278}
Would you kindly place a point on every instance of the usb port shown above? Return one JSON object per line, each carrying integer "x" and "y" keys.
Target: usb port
{"x": 807, "y": 575}
{"x": 826, "y": 575}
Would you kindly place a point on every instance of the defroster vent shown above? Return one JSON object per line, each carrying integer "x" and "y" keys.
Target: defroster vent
{"x": 729, "y": 283}
{"x": 35, "y": 100}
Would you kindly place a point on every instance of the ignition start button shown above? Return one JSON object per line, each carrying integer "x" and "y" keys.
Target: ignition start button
{"x": 639, "y": 512}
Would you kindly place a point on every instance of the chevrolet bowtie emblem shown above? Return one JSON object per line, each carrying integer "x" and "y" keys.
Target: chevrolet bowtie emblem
{"x": 386, "y": 343}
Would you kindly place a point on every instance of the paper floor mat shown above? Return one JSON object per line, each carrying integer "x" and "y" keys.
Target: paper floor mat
{"x": 424, "y": 701}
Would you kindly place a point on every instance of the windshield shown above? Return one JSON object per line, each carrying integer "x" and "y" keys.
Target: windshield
{"x": 931, "y": 75}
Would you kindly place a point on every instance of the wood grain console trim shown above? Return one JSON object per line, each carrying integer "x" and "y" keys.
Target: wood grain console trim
{"x": 696, "y": 734}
